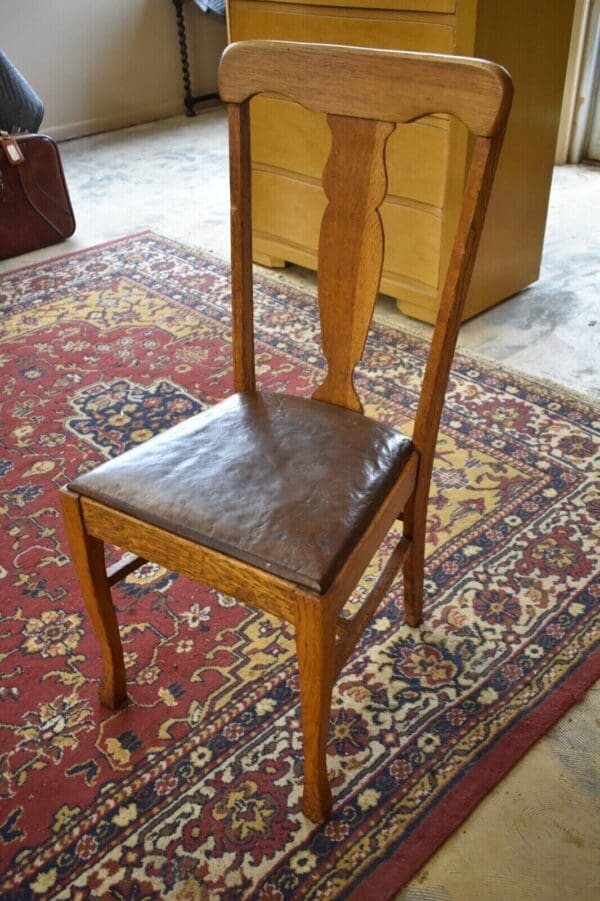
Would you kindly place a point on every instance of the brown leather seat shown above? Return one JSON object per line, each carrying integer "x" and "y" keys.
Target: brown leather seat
{"x": 287, "y": 484}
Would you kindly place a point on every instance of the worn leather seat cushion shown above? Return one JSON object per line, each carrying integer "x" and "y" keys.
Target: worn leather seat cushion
{"x": 284, "y": 483}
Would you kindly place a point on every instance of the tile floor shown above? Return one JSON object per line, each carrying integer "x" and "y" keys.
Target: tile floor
{"x": 537, "y": 835}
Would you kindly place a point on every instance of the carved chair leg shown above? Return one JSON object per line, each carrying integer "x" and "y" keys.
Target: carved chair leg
{"x": 88, "y": 559}
{"x": 315, "y": 643}
{"x": 415, "y": 517}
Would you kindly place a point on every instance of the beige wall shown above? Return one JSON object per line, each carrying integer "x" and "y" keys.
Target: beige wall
{"x": 102, "y": 64}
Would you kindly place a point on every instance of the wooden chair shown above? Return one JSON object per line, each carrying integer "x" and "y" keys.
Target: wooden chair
{"x": 282, "y": 501}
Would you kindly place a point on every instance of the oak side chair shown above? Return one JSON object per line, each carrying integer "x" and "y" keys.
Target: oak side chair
{"x": 282, "y": 501}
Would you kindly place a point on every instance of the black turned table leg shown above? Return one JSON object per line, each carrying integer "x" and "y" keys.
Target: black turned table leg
{"x": 188, "y": 98}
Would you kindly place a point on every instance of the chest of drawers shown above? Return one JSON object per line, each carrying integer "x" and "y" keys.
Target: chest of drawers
{"x": 426, "y": 162}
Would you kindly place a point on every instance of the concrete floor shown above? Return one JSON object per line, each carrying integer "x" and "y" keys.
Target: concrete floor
{"x": 171, "y": 176}
{"x": 537, "y": 835}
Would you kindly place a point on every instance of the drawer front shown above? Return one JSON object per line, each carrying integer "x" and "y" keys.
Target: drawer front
{"x": 413, "y": 240}
{"x": 407, "y": 149}
{"x": 389, "y": 30}
{"x": 287, "y": 208}
{"x": 423, "y": 6}
{"x": 287, "y": 136}
{"x": 290, "y": 210}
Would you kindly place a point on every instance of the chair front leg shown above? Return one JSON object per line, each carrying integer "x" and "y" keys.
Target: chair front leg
{"x": 315, "y": 644}
{"x": 414, "y": 521}
{"x": 88, "y": 559}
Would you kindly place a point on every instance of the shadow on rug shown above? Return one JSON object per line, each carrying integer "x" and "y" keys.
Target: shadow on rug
{"x": 194, "y": 790}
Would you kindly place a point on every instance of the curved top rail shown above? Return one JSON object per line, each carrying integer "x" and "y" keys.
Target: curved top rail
{"x": 387, "y": 85}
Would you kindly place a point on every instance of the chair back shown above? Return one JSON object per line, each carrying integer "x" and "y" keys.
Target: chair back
{"x": 365, "y": 93}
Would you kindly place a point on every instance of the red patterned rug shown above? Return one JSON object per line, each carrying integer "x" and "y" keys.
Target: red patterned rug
{"x": 194, "y": 790}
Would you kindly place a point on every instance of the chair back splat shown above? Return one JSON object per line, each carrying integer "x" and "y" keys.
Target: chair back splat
{"x": 283, "y": 501}
{"x": 355, "y": 183}
{"x": 364, "y": 94}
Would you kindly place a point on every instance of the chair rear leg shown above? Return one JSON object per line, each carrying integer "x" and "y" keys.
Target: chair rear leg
{"x": 414, "y": 519}
{"x": 87, "y": 553}
{"x": 315, "y": 644}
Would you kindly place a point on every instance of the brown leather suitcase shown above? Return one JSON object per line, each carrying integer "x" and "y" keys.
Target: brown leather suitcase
{"x": 35, "y": 209}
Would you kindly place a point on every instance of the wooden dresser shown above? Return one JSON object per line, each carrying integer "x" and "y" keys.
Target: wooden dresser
{"x": 290, "y": 144}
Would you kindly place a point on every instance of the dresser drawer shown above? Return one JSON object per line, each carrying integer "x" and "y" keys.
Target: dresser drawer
{"x": 287, "y": 207}
{"x": 413, "y": 241}
{"x": 388, "y": 29}
{"x": 289, "y": 137}
{"x": 289, "y": 210}
{"x": 424, "y": 6}
{"x": 406, "y": 149}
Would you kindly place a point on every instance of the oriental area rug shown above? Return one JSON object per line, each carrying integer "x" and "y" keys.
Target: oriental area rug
{"x": 194, "y": 789}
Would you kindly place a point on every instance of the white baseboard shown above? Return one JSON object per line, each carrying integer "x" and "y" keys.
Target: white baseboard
{"x": 113, "y": 122}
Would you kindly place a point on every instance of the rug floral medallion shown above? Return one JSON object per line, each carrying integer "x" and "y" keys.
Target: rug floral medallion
{"x": 194, "y": 789}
